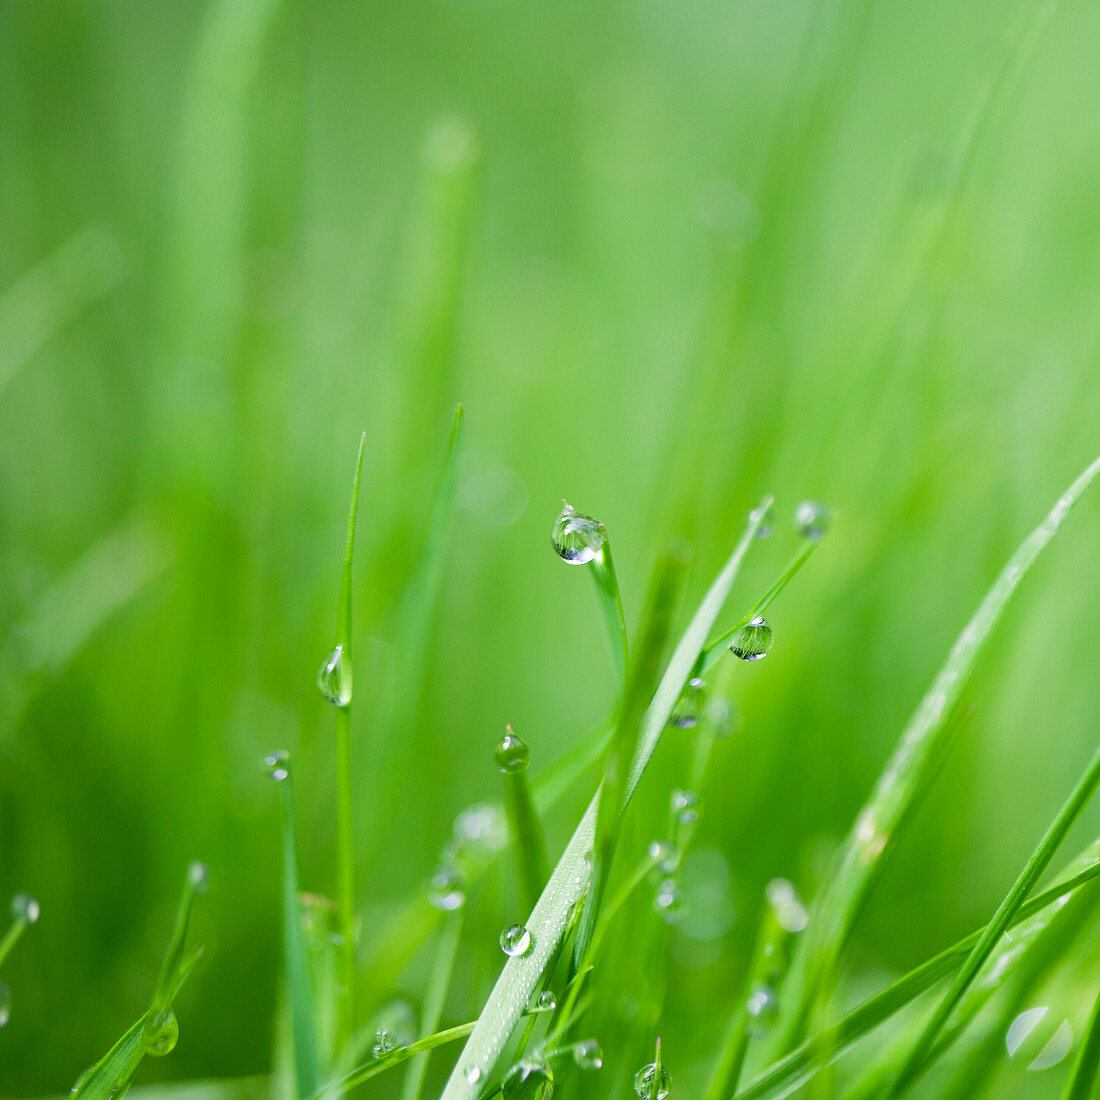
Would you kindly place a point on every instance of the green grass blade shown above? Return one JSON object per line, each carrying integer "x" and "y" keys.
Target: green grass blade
{"x": 1082, "y": 1080}
{"x": 791, "y": 1072}
{"x": 903, "y": 783}
{"x": 304, "y": 1027}
{"x": 917, "y": 1060}
{"x": 547, "y": 924}
{"x": 611, "y": 606}
{"x": 433, "y": 1000}
{"x": 527, "y": 838}
{"x": 112, "y": 1075}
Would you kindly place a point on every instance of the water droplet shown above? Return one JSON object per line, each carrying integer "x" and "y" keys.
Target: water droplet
{"x": 724, "y": 718}
{"x": 685, "y": 807}
{"x": 24, "y": 908}
{"x": 544, "y": 1002}
{"x": 481, "y": 826}
{"x": 159, "y": 1037}
{"x": 812, "y": 520}
{"x": 577, "y": 538}
{"x": 647, "y": 1084}
{"x": 277, "y": 765}
{"x": 198, "y": 874}
{"x": 1037, "y": 1040}
{"x": 665, "y": 857}
{"x": 529, "y": 1080}
{"x": 447, "y": 889}
{"x": 588, "y": 1054}
{"x": 515, "y": 940}
{"x": 334, "y": 679}
{"x": 763, "y": 1010}
{"x": 765, "y": 521}
{"x": 689, "y": 707}
{"x": 5, "y": 1004}
{"x": 753, "y": 641}
{"x": 383, "y": 1043}
{"x": 669, "y": 902}
{"x": 790, "y": 913}
{"x": 473, "y": 1074}
{"x": 512, "y": 753}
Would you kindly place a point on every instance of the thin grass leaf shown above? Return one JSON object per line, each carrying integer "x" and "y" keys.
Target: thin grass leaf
{"x": 795, "y": 1069}
{"x": 917, "y": 1060}
{"x": 1082, "y": 1080}
{"x": 522, "y": 975}
{"x": 525, "y": 828}
{"x": 903, "y": 783}
{"x": 611, "y": 606}
{"x": 304, "y": 1025}
{"x": 15, "y": 931}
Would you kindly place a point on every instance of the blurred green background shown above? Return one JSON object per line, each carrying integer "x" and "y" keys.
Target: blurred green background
{"x": 670, "y": 256}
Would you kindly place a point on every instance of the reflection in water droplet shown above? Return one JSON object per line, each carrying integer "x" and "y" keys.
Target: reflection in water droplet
{"x": 334, "y": 679}
{"x": 577, "y": 538}
{"x": 587, "y": 1054}
{"x": 447, "y": 889}
{"x": 198, "y": 874}
{"x": 5, "y": 1004}
{"x": 544, "y": 1002}
{"x": 765, "y": 521}
{"x": 689, "y": 707}
{"x": 24, "y": 908}
{"x": 512, "y": 753}
{"x": 647, "y": 1084}
{"x": 753, "y": 641}
{"x": 1037, "y": 1041}
{"x": 161, "y": 1038}
{"x": 669, "y": 902}
{"x": 685, "y": 807}
{"x": 277, "y": 765}
{"x": 812, "y": 520}
{"x": 515, "y": 940}
{"x": 763, "y": 1010}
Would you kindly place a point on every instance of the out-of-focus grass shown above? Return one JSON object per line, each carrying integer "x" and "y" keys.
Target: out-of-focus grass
{"x": 670, "y": 257}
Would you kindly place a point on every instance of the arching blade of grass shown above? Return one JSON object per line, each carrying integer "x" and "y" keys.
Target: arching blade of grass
{"x": 86, "y": 267}
{"x": 303, "y": 1018}
{"x": 1082, "y": 1080}
{"x": 155, "y": 1033}
{"x": 791, "y": 1072}
{"x": 433, "y": 1000}
{"x": 623, "y": 745}
{"x": 611, "y": 606}
{"x": 901, "y": 786}
{"x": 547, "y": 924}
{"x": 917, "y": 1060}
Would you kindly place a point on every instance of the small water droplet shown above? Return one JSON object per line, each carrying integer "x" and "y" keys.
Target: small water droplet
{"x": 689, "y": 707}
{"x": 577, "y": 538}
{"x": 159, "y": 1037}
{"x": 512, "y": 753}
{"x": 24, "y": 908}
{"x": 812, "y": 520}
{"x": 531, "y": 1079}
{"x": 277, "y": 765}
{"x": 473, "y": 1074}
{"x": 685, "y": 807}
{"x": 383, "y": 1044}
{"x": 753, "y": 641}
{"x": 5, "y": 1004}
{"x": 588, "y": 1054}
{"x": 765, "y": 521}
{"x": 763, "y": 1010}
{"x": 515, "y": 940}
{"x": 198, "y": 874}
{"x": 665, "y": 857}
{"x": 790, "y": 913}
{"x": 447, "y": 889}
{"x": 334, "y": 679}
{"x": 481, "y": 827}
{"x": 669, "y": 902}
{"x": 647, "y": 1084}
{"x": 544, "y": 1002}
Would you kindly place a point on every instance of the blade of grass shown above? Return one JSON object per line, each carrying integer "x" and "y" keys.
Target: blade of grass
{"x": 902, "y": 784}
{"x": 611, "y": 605}
{"x": 1082, "y": 1080}
{"x": 526, "y": 831}
{"x": 917, "y": 1060}
{"x": 791, "y": 1072}
{"x": 522, "y": 974}
{"x": 433, "y": 1000}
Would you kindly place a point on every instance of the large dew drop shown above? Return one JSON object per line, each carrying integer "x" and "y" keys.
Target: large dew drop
{"x": 1038, "y": 1039}
{"x": 161, "y": 1039}
{"x": 647, "y": 1084}
{"x": 512, "y": 753}
{"x": 577, "y": 538}
{"x": 812, "y": 520}
{"x": 753, "y": 641}
{"x": 689, "y": 707}
{"x": 334, "y": 679}
{"x": 515, "y": 940}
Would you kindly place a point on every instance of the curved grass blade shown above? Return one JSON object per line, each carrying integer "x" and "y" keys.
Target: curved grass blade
{"x": 1082, "y": 1081}
{"x": 917, "y": 1060}
{"x": 547, "y": 924}
{"x": 795, "y": 1069}
{"x": 527, "y": 838}
{"x": 611, "y": 605}
{"x": 903, "y": 783}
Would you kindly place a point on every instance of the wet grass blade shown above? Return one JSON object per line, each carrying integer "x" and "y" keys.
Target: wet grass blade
{"x": 903, "y": 783}
{"x": 611, "y": 606}
{"x": 547, "y": 924}
{"x": 917, "y": 1060}
{"x": 526, "y": 831}
{"x": 1082, "y": 1080}
{"x": 791, "y": 1072}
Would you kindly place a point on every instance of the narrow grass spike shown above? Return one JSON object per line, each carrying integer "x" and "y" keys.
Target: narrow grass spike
{"x": 523, "y": 821}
